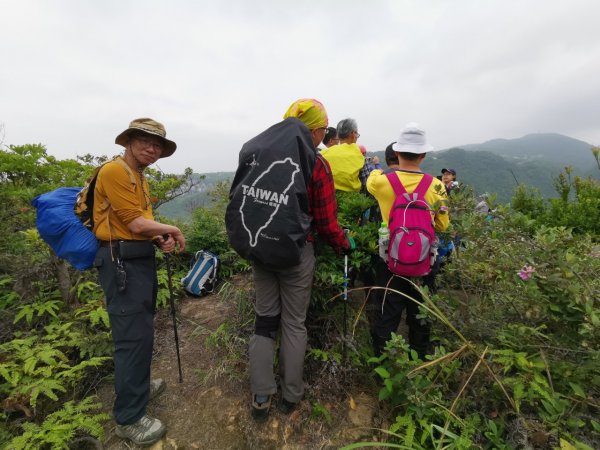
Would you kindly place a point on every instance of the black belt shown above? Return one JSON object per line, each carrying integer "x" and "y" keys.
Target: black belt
{"x": 130, "y": 249}
{"x": 115, "y": 243}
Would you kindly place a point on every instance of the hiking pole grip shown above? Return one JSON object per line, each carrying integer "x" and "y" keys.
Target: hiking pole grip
{"x": 172, "y": 302}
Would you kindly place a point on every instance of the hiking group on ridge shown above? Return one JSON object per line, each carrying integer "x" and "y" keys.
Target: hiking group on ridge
{"x": 283, "y": 197}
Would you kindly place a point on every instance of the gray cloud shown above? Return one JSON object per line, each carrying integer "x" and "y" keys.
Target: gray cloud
{"x": 74, "y": 73}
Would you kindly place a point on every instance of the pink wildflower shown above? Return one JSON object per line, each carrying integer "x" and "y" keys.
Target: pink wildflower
{"x": 526, "y": 272}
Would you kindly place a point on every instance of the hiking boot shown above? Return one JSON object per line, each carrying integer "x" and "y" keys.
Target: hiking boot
{"x": 145, "y": 431}
{"x": 260, "y": 411}
{"x": 157, "y": 387}
{"x": 286, "y": 407}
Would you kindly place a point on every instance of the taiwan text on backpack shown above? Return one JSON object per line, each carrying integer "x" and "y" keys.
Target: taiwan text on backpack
{"x": 411, "y": 229}
{"x": 202, "y": 277}
{"x": 64, "y": 220}
{"x": 267, "y": 218}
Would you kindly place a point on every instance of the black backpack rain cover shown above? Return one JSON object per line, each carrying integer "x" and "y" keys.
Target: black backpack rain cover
{"x": 267, "y": 218}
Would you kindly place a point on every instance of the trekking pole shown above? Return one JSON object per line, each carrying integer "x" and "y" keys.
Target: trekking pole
{"x": 345, "y": 297}
{"x": 169, "y": 276}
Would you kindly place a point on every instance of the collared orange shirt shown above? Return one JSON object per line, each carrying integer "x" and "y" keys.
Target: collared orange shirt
{"x": 127, "y": 202}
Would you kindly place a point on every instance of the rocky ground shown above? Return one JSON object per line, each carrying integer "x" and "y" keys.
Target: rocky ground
{"x": 210, "y": 409}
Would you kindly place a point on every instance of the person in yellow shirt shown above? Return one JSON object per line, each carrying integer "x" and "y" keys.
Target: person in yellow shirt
{"x": 346, "y": 159}
{"x": 411, "y": 149}
{"x": 125, "y": 261}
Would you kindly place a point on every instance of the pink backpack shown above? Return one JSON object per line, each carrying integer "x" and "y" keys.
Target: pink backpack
{"x": 411, "y": 229}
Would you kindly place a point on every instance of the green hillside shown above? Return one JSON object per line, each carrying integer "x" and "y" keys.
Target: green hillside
{"x": 182, "y": 207}
{"x": 495, "y": 166}
{"x": 549, "y": 147}
{"x": 487, "y": 172}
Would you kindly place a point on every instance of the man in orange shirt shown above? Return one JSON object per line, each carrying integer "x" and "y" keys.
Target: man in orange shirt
{"x": 126, "y": 229}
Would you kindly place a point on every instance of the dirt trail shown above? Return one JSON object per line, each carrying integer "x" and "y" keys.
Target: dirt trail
{"x": 213, "y": 412}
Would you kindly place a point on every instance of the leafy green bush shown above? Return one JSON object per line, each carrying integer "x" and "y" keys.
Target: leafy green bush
{"x": 523, "y": 347}
{"x": 207, "y": 232}
{"x": 577, "y": 207}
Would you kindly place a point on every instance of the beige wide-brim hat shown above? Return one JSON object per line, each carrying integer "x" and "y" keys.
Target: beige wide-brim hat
{"x": 150, "y": 127}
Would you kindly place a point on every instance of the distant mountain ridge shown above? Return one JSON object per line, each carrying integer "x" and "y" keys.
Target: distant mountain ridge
{"x": 495, "y": 166}
{"x": 499, "y": 165}
{"x": 550, "y": 147}
{"x": 488, "y": 172}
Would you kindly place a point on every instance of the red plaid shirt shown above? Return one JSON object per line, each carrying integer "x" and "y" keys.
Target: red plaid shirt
{"x": 323, "y": 206}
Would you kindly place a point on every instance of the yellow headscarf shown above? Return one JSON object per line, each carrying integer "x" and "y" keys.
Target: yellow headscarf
{"x": 310, "y": 111}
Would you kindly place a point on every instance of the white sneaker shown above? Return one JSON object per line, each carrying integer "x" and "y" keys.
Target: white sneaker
{"x": 157, "y": 387}
{"x": 145, "y": 431}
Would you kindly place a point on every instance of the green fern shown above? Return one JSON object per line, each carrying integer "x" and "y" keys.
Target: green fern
{"x": 35, "y": 367}
{"x": 99, "y": 315}
{"x": 75, "y": 372}
{"x": 62, "y": 334}
{"x": 8, "y": 297}
{"x": 61, "y": 427}
{"x": 42, "y": 386}
{"x": 49, "y": 307}
{"x": 88, "y": 290}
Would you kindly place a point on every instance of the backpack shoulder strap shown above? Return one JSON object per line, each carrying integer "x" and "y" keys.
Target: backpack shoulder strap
{"x": 423, "y": 186}
{"x": 324, "y": 162}
{"x": 105, "y": 206}
{"x": 397, "y": 186}
{"x": 215, "y": 261}
{"x": 119, "y": 159}
{"x": 92, "y": 180}
{"x": 417, "y": 194}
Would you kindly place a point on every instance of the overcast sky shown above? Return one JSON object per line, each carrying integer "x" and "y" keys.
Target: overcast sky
{"x": 73, "y": 73}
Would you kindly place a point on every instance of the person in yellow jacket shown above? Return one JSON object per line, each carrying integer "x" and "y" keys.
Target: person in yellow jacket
{"x": 346, "y": 159}
{"x": 410, "y": 149}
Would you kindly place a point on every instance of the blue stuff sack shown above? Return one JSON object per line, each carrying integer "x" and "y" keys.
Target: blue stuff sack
{"x": 202, "y": 277}
{"x": 62, "y": 230}
{"x": 445, "y": 249}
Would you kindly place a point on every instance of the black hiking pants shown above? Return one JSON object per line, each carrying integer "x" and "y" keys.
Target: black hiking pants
{"x": 131, "y": 313}
{"x": 391, "y": 306}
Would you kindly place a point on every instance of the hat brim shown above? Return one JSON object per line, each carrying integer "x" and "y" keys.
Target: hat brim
{"x": 412, "y": 148}
{"x": 444, "y": 170}
{"x": 169, "y": 147}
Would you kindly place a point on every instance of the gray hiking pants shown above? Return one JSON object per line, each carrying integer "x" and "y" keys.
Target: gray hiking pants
{"x": 284, "y": 292}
